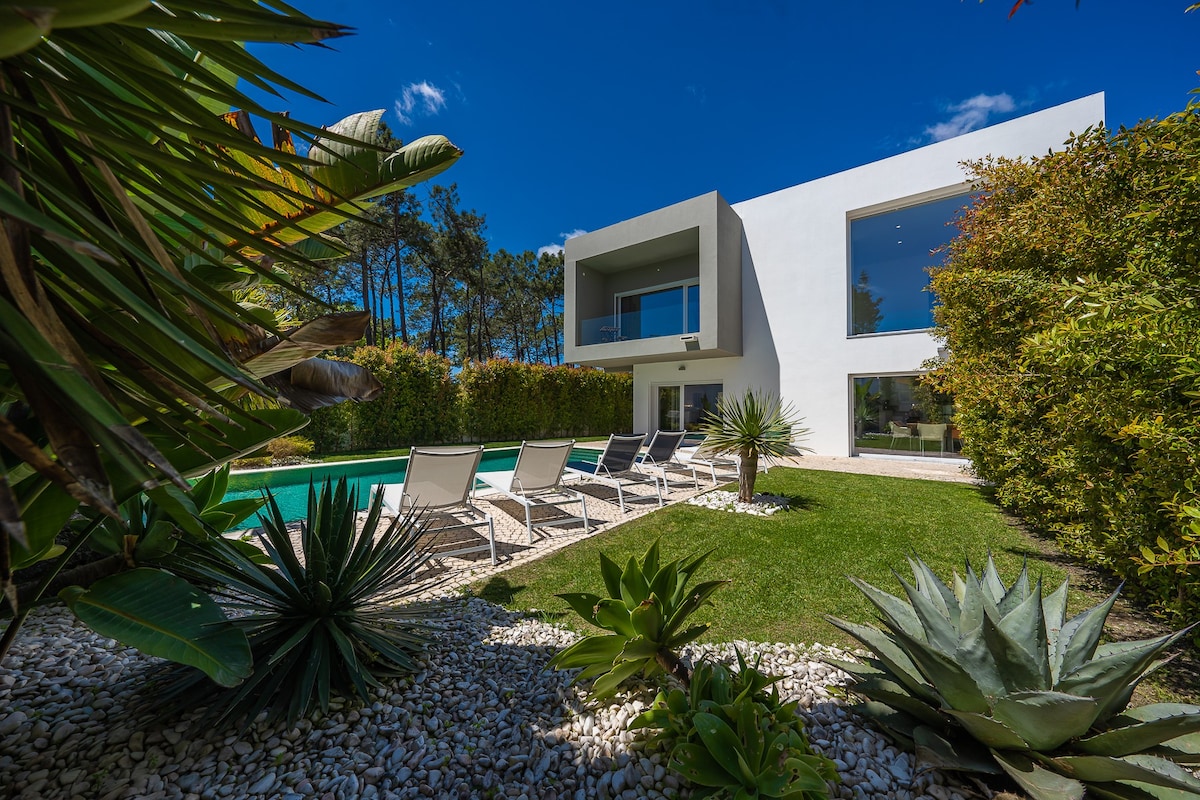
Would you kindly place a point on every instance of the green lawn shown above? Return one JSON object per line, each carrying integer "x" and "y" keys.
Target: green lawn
{"x": 789, "y": 570}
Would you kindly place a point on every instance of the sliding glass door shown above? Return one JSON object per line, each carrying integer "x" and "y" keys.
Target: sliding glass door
{"x": 685, "y": 405}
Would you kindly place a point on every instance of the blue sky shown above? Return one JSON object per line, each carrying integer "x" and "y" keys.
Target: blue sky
{"x": 574, "y": 116}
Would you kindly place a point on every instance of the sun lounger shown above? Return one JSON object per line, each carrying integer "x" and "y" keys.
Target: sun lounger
{"x": 536, "y": 481}
{"x": 439, "y": 482}
{"x": 617, "y": 468}
{"x": 660, "y": 456}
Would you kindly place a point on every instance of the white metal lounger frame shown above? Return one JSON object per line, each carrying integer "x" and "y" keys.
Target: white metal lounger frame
{"x": 536, "y": 480}
{"x": 692, "y": 452}
{"x": 616, "y": 467}
{"x": 660, "y": 455}
{"x": 441, "y": 479}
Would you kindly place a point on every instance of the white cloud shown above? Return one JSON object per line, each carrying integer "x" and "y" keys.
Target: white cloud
{"x": 555, "y": 249}
{"x": 970, "y": 115}
{"x": 419, "y": 98}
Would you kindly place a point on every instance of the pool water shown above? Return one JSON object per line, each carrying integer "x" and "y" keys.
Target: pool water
{"x": 289, "y": 485}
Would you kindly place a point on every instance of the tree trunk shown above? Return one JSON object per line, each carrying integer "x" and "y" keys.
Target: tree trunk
{"x": 399, "y": 278}
{"x": 749, "y": 474}
{"x": 366, "y": 298}
{"x": 673, "y": 667}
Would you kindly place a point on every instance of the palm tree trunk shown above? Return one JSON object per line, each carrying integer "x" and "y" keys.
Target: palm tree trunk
{"x": 749, "y": 473}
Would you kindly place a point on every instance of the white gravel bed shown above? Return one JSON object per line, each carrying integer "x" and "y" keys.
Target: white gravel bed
{"x": 763, "y": 505}
{"x": 483, "y": 718}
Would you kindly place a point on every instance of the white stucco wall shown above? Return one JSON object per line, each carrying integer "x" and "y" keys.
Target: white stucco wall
{"x": 795, "y": 276}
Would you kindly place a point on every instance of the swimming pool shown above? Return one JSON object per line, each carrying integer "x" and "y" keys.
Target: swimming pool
{"x": 289, "y": 485}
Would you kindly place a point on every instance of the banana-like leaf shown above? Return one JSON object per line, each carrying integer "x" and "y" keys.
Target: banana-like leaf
{"x": 639, "y": 648}
{"x": 1039, "y": 782}
{"x": 611, "y": 572}
{"x": 164, "y": 615}
{"x": 1046, "y": 720}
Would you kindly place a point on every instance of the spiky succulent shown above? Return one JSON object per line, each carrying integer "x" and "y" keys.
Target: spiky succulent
{"x": 992, "y": 679}
{"x": 645, "y": 612}
{"x": 730, "y": 736}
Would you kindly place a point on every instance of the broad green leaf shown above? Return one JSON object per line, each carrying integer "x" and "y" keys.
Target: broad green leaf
{"x": 892, "y": 656}
{"x": 1160, "y": 723}
{"x": 602, "y": 648}
{"x": 583, "y": 603}
{"x": 899, "y": 613}
{"x": 963, "y": 756}
{"x": 1046, "y": 720}
{"x": 989, "y": 731}
{"x": 165, "y": 616}
{"x": 614, "y": 615}
{"x": 1039, "y": 782}
{"x": 607, "y": 684}
{"x": 694, "y": 763}
{"x": 723, "y": 745}
{"x": 1142, "y": 769}
{"x": 647, "y": 618}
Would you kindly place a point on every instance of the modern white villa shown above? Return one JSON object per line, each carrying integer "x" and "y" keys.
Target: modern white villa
{"x": 817, "y": 293}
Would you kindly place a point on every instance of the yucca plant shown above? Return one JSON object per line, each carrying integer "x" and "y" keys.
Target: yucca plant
{"x": 730, "y": 736}
{"x": 756, "y": 426}
{"x": 994, "y": 679}
{"x": 645, "y": 612}
{"x": 325, "y": 618}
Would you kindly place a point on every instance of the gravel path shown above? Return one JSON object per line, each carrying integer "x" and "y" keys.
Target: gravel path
{"x": 482, "y": 719}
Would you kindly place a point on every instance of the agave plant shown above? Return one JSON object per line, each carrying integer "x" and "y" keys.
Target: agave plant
{"x": 645, "y": 612}
{"x": 729, "y": 735}
{"x": 995, "y": 679}
{"x": 754, "y": 427}
{"x": 325, "y": 618}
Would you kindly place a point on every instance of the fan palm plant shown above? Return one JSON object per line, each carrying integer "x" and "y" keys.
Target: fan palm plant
{"x": 133, "y": 201}
{"x": 754, "y": 427}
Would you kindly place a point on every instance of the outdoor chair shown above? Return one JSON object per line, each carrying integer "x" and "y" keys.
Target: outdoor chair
{"x": 898, "y": 432}
{"x": 536, "y": 480}
{"x": 660, "y": 455}
{"x": 439, "y": 482}
{"x": 691, "y": 451}
{"x": 927, "y": 432}
{"x": 617, "y": 468}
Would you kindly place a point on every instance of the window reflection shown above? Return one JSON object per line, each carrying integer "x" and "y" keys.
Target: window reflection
{"x": 890, "y": 255}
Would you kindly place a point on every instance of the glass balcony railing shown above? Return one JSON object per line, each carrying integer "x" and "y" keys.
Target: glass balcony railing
{"x": 634, "y": 325}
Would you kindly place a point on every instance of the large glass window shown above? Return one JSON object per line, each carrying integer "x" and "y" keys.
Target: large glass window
{"x": 900, "y": 414}
{"x": 684, "y": 406}
{"x": 890, "y": 255}
{"x": 663, "y": 311}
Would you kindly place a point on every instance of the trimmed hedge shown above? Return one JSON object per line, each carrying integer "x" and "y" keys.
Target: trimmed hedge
{"x": 424, "y": 402}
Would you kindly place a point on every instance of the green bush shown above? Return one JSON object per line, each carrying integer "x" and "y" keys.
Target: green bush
{"x": 1070, "y": 307}
{"x": 287, "y": 447}
{"x": 424, "y": 402}
{"x": 992, "y": 679}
